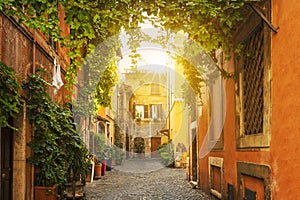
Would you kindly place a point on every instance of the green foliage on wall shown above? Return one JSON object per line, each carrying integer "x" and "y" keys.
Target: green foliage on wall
{"x": 57, "y": 148}
{"x": 9, "y": 95}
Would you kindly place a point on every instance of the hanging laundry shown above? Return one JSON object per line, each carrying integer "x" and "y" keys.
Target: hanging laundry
{"x": 54, "y": 81}
{"x": 57, "y": 80}
{"x": 60, "y": 83}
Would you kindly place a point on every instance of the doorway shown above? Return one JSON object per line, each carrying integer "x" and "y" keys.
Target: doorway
{"x": 6, "y": 163}
{"x": 155, "y": 143}
{"x": 194, "y": 155}
{"x": 139, "y": 147}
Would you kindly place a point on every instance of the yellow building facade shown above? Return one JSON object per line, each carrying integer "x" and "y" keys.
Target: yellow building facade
{"x": 148, "y": 108}
{"x": 178, "y": 124}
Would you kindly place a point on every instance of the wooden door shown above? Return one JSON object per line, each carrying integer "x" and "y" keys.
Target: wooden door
{"x": 6, "y": 164}
{"x": 194, "y": 155}
{"x": 155, "y": 142}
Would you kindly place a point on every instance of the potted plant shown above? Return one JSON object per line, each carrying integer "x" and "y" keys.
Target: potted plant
{"x": 102, "y": 151}
{"x": 78, "y": 164}
{"x": 58, "y": 153}
{"x": 98, "y": 169}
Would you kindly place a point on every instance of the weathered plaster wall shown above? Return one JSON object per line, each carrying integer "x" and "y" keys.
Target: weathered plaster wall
{"x": 285, "y": 142}
{"x": 282, "y": 157}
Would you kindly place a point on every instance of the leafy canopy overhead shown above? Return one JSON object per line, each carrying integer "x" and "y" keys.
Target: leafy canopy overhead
{"x": 91, "y": 22}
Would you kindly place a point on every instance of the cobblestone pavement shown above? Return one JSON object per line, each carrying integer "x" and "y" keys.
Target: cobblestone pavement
{"x": 143, "y": 179}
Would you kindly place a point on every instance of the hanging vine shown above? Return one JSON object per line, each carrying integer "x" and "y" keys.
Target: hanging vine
{"x": 210, "y": 23}
{"x": 9, "y": 95}
{"x": 56, "y": 143}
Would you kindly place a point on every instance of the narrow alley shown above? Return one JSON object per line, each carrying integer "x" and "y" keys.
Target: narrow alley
{"x": 98, "y": 97}
{"x": 143, "y": 179}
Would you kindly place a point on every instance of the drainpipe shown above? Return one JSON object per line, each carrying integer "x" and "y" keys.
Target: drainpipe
{"x": 34, "y": 53}
{"x": 32, "y": 128}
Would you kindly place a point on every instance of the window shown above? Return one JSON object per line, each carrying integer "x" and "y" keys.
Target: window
{"x": 108, "y": 129}
{"x": 253, "y": 82}
{"x": 257, "y": 174}
{"x": 216, "y": 176}
{"x": 100, "y": 128}
{"x": 156, "y": 111}
{"x": 141, "y": 111}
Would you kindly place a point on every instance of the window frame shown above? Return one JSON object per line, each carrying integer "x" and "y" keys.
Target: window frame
{"x": 260, "y": 140}
{"x": 159, "y": 111}
{"x": 145, "y": 113}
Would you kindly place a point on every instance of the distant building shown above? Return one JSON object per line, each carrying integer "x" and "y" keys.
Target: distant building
{"x": 177, "y": 124}
{"x": 142, "y": 111}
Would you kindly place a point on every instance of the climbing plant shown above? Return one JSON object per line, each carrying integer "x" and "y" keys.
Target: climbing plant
{"x": 210, "y": 23}
{"x": 57, "y": 149}
{"x": 107, "y": 80}
{"x": 9, "y": 95}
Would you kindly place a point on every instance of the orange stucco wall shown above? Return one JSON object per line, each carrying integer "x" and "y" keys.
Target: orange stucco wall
{"x": 285, "y": 143}
{"x": 283, "y": 155}
{"x": 230, "y": 155}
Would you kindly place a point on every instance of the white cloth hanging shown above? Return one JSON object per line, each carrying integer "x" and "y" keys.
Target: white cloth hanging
{"x": 60, "y": 83}
{"x": 54, "y": 81}
{"x": 57, "y": 80}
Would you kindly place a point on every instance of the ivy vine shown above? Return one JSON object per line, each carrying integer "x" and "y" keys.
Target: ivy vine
{"x": 9, "y": 95}
{"x": 210, "y": 23}
{"x": 58, "y": 150}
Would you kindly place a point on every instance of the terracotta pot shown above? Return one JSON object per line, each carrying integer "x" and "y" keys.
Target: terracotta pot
{"x": 103, "y": 167}
{"x": 45, "y": 193}
{"x": 98, "y": 170}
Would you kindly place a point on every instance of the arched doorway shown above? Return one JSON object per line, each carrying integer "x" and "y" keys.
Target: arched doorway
{"x": 139, "y": 145}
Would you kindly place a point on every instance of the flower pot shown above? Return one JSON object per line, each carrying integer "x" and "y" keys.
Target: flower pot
{"x": 103, "y": 167}
{"x": 98, "y": 170}
{"x": 45, "y": 193}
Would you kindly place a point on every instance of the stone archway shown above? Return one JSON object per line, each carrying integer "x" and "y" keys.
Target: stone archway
{"x": 139, "y": 145}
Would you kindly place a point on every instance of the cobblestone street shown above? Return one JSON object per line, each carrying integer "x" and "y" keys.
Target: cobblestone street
{"x": 143, "y": 179}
